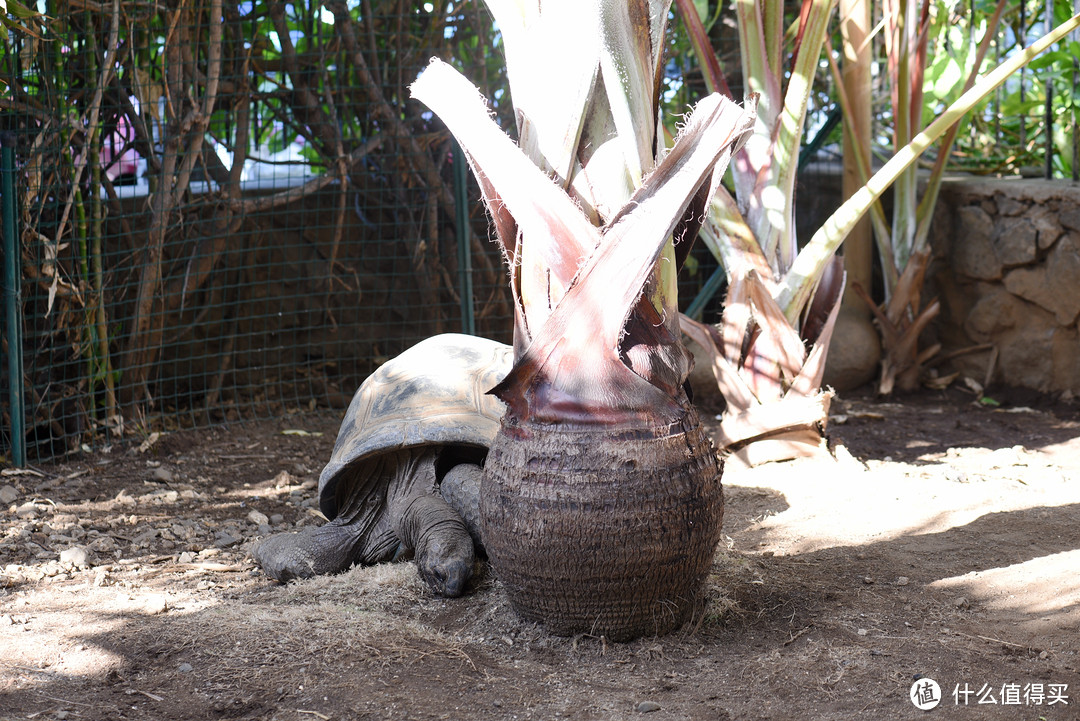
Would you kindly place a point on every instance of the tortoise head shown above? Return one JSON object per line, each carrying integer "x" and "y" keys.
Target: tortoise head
{"x": 445, "y": 561}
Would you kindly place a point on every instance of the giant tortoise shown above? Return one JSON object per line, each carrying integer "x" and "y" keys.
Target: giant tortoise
{"x": 407, "y": 454}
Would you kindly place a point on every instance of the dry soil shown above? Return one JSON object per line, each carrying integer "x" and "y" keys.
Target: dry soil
{"x": 943, "y": 543}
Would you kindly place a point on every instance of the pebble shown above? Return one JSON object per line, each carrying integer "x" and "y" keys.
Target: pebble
{"x": 903, "y": 581}
{"x": 76, "y": 556}
{"x": 163, "y": 475}
{"x": 144, "y": 538}
{"x": 8, "y": 494}
{"x": 184, "y": 668}
{"x": 187, "y": 557}
{"x": 224, "y": 539}
{"x": 648, "y": 707}
{"x": 257, "y": 518}
{"x": 26, "y": 510}
{"x": 277, "y": 519}
{"x": 156, "y": 604}
{"x": 960, "y": 602}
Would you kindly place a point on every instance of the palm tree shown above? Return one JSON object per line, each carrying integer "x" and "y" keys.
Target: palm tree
{"x": 601, "y": 500}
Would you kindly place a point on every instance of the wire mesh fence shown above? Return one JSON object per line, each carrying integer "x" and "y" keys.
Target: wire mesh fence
{"x": 229, "y": 211}
{"x": 219, "y": 210}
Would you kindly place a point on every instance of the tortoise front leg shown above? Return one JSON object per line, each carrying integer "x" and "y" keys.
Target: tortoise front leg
{"x": 331, "y": 548}
{"x": 460, "y": 488}
{"x": 361, "y": 533}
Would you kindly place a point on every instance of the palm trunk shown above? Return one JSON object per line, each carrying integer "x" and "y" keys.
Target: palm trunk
{"x": 607, "y": 531}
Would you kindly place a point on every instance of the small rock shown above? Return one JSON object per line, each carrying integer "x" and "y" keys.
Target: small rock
{"x": 187, "y": 557}
{"x": 868, "y": 580}
{"x": 277, "y": 519}
{"x": 862, "y": 632}
{"x": 224, "y": 539}
{"x": 1044, "y": 655}
{"x": 156, "y": 604}
{"x": 257, "y": 518}
{"x": 144, "y": 538}
{"x": 265, "y": 529}
{"x": 162, "y": 475}
{"x": 648, "y": 707}
{"x": 8, "y": 494}
{"x": 184, "y": 668}
{"x": 26, "y": 510}
{"x": 75, "y": 556}
{"x": 903, "y": 581}
{"x": 960, "y": 602}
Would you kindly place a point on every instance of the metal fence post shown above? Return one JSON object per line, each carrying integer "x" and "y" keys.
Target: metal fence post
{"x": 1048, "y": 111}
{"x": 461, "y": 211}
{"x": 12, "y": 298}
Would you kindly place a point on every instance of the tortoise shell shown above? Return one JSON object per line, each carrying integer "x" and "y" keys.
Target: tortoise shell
{"x": 434, "y": 393}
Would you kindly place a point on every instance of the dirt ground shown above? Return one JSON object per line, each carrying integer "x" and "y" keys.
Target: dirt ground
{"x": 944, "y": 544}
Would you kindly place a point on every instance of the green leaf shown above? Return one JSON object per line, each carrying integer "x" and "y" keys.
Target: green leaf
{"x": 21, "y": 11}
{"x": 947, "y": 77}
{"x": 1053, "y": 58}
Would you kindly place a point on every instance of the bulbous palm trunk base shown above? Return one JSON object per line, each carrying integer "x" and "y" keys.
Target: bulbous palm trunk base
{"x": 601, "y": 532}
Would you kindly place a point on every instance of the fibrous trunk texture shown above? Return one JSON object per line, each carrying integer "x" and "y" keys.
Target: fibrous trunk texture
{"x": 601, "y": 531}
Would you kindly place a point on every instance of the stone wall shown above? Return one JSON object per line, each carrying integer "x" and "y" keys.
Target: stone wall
{"x": 1007, "y": 271}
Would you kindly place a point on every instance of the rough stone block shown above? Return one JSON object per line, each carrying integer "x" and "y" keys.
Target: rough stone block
{"x": 1026, "y": 353}
{"x": 1070, "y": 219}
{"x": 1046, "y": 226}
{"x": 974, "y": 254}
{"x": 1015, "y": 241}
{"x": 1053, "y": 284}
{"x": 1008, "y": 206}
{"x": 994, "y": 313}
